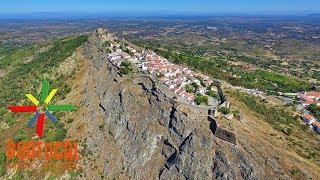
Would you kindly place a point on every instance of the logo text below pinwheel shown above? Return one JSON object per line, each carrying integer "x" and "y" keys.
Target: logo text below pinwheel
{"x": 42, "y": 108}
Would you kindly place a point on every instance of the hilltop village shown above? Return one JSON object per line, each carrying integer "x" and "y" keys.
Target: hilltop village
{"x": 192, "y": 87}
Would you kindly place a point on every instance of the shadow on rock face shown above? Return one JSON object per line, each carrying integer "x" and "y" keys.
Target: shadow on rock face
{"x": 213, "y": 126}
{"x": 222, "y": 134}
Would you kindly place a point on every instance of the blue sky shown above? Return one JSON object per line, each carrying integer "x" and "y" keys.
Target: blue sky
{"x": 161, "y": 6}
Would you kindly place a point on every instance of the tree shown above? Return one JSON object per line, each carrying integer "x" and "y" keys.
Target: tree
{"x": 315, "y": 110}
{"x": 106, "y": 44}
{"x": 126, "y": 68}
{"x": 201, "y": 99}
{"x": 125, "y": 64}
{"x": 195, "y": 85}
{"x": 212, "y": 94}
{"x": 190, "y": 89}
{"x": 236, "y": 113}
{"x": 3, "y": 160}
{"x": 288, "y": 131}
{"x": 224, "y": 110}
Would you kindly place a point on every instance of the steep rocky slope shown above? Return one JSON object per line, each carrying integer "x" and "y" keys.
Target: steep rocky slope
{"x": 129, "y": 129}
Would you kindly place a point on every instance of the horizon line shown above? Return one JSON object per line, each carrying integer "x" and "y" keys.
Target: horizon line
{"x": 90, "y": 15}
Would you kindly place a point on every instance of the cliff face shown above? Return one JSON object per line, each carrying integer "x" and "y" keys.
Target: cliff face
{"x": 129, "y": 128}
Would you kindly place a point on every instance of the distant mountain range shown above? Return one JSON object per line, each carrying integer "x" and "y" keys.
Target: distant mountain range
{"x": 121, "y": 15}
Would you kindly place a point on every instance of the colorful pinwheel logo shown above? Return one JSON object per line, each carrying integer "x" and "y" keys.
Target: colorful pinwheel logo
{"x": 42, "y": 108}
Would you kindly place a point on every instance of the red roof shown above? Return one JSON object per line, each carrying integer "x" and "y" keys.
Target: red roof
{"x": 308, "y": 116}
{"x": 309, "y": 102}
{"x": 313, "y": 93}
{"x": 179, "y": 91}
{"x": 316, "y": 124}
{"x": 306, "y": 99}
{"x": 192, "y": 98}
{"x": 183, "y": 93}
{"x": 174, "y": 89}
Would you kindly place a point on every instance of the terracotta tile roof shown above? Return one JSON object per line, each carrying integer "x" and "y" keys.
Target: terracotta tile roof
{"x": 306, "y": 99}
{"x": 183, "y": 93}
{"x": 179, "y": 91}
{"x": 192, "y": 98}
{"x": 174, "y": 89}
{"x": 309, "y": 102}
{"x": 316, "y": 124}
{"x": 308, "y": 116}
{"x": 313, "y": 93}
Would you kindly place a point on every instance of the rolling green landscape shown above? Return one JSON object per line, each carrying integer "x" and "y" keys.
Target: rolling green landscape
{"x": 236, "y": 112}
{"x": 219, "y": 68}
{"x": 26, "y": 77}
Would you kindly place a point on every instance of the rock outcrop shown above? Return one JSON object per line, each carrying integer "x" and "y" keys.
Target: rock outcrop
{"x": 130, "y": 129}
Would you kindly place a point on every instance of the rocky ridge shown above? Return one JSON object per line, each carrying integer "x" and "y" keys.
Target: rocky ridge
{"x": 130, "y": 129}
